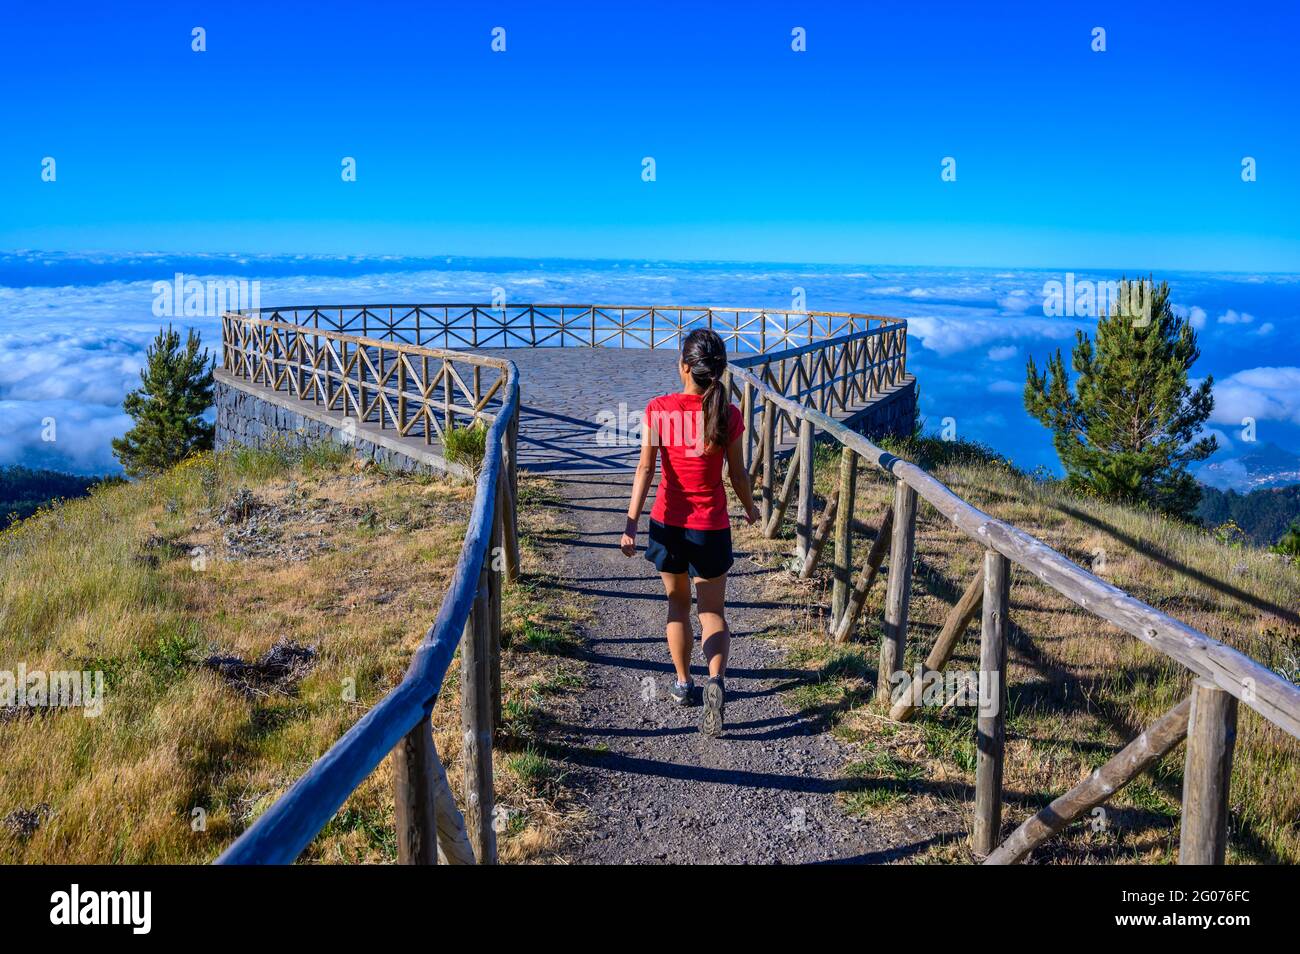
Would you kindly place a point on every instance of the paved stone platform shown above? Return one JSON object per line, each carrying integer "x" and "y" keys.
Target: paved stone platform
{"x": 577, "y": 408}
{"x": 571, "y": 396}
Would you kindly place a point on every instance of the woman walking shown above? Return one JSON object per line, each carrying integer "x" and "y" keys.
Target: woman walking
{"x": 693, "y": 433}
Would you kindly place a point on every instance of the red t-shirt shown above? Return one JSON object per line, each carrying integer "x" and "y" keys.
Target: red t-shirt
{"x": 690, "y": 491}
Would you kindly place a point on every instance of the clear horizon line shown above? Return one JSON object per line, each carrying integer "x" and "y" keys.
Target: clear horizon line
{"x": 363, "y": 257}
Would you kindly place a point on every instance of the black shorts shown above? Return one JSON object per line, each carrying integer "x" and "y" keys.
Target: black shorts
{"x": 701, "y": 553}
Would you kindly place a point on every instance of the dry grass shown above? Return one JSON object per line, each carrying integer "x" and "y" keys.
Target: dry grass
{"x": 353, "y": 562}
{"x": 1079, "y": 688}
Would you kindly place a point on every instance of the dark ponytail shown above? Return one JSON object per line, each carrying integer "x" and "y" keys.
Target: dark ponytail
{"x": 706, "y": 356}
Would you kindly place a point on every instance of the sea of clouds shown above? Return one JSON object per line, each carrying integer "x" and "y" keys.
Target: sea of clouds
{"x": 70, "y": 351}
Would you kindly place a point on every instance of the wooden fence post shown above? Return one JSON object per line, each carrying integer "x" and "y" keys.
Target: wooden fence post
{"x": 512, "y": 471}
{"x": 1131, "y": 761}
{"x": 769, "y": 439}
{"x": 1207, "y": 776}
{"x": 476, "y": 724}
{"x": 821, "y": 535}
{"x": 990, "y": 732}
{"x": 497, "y": 556}
{"x": 843, "y": 627}
{"x": 804, "y": 514}
{"x": 747, "y": 415}
{"x": 756, "y": 457}
{"x": 898, "y": 591}
{"x": 414, "y": 786}
{"x": 507, "y": 534}
{"x": 954, "y": 627}
{"x": 843, "y": 568}
{"x": 448, "y": 419}
{"x": 401, "y": 394}
{"x": 783, "y": 498}
{"x": 361, "y": 384}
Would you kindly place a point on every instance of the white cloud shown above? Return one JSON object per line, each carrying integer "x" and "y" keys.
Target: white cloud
{"x": 1265, "y": 329}
{"x": 1018, "y": 301}
{"x": 951, "y": 335}
{"x": 54, "y": 365}
{"x": 82, "y": 434}
{"x": 1265, "y": 394}
{"x": 1195, "y": 315}
{"x": 73, "y": 352}
{"x": 1225, "y": 475}
{"x": 1234, "y": 317}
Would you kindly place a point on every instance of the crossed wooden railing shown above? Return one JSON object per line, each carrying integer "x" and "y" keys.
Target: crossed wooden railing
{"x": 1207, "y": 718}
{"x": 838, "y": 376}
{"x": 412, "y": 390}
{"x": 748, "y": 330}
{"x": 374, "y": 364}
{"x": 826, "y": 365}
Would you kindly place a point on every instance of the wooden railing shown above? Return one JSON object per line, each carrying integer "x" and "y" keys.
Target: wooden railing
{"x": 412, "y": 390}
{"x": 415, "y": 391}
{"x": 373, "y": 364}
{"x": 837, "y": 376}
{"x": 1207, "y": 718}
{"x": 748, "y": 330}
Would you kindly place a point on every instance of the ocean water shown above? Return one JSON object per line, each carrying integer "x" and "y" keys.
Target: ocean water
{"x": 74, "y": 328}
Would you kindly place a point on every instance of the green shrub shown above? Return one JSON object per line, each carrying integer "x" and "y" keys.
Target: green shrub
{"x": 1289, "y": 545}
{"x": 467, "y": 446}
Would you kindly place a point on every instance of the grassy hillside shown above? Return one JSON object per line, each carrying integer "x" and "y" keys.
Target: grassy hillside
{"x": 23, "y": 490}
{"x": 1079, "y": 689}
{"x": 246, "y": 609}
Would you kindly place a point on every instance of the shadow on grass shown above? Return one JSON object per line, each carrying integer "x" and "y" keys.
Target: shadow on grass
{"x": 1191, "y": 573}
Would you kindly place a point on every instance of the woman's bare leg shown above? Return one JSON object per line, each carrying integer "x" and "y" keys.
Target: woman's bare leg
{"x": 711, "y": 602}
{"x": 680, "y": 639}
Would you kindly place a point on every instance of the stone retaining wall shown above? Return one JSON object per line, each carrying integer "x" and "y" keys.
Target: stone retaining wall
{"x": 257, "y": 417}
{"x": 891, "y": 414}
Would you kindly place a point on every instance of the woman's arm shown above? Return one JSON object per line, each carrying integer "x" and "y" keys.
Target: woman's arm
{"x": 740, "y": 479}
{"x": 645, "y": 475}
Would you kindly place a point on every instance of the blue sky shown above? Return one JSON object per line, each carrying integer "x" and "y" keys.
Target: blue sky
{"x": 477, "y": 169}
{"x": 1067, "y": 158}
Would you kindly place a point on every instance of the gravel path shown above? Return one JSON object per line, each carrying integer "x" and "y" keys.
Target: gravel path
{"x": 657, "y": 790}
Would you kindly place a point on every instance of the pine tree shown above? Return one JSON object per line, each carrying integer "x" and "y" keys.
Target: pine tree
{"x": 168, "y": 407}
{"x": 1128, "y": 428}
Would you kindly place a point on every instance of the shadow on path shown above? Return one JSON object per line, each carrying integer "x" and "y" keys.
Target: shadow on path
{"x": 657, "y": 790}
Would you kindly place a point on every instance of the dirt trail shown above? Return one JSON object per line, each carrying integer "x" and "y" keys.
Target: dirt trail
{"x": 658, "y": 791}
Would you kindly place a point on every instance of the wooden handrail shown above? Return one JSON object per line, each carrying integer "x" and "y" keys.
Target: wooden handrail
{"x": 288, "y": 826}
{"x": 1258, "y": 687}
{"x": 468, "y": 357}
{"x": 476, "y": 324}
{"x": 581, "y": 306}
{"x": 385, "y": 381}
{"x": 787, "y": 353}
{"x": 1225, "y": 675}
{"x": 837, "y": 370}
